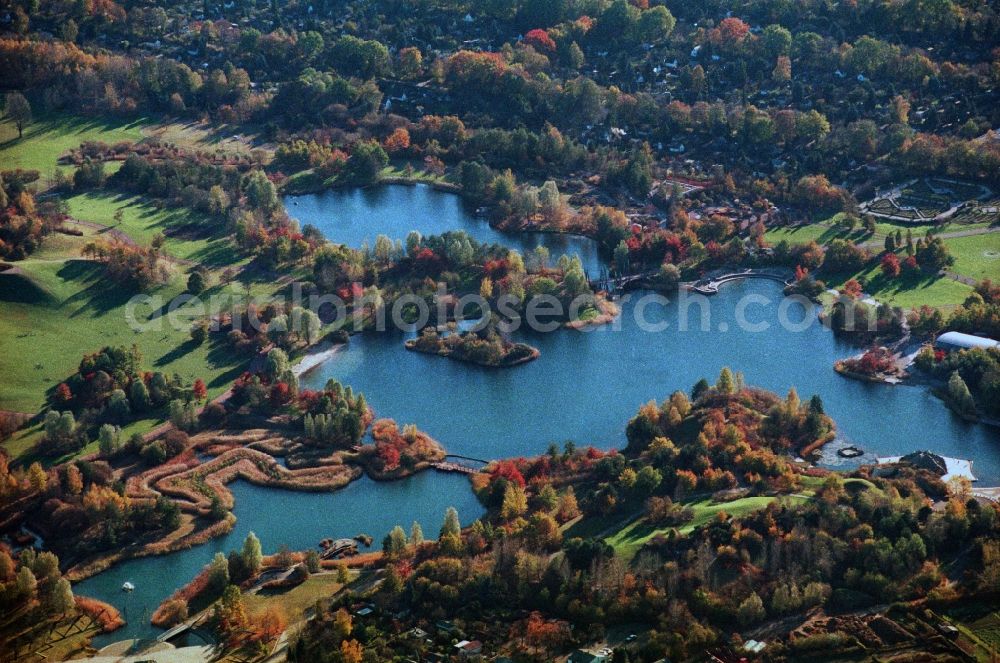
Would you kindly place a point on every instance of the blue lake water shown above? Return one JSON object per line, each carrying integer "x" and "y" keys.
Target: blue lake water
{"x": 355, "y": 216}
{"x": 283, "y": 517}
{"x": 584, "y": 387}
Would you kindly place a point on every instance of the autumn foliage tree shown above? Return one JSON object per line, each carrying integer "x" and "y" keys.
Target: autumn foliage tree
{"x": 397, "y": 141}
{"x": 540, "y": 40}
{"x": 890, "y": 265}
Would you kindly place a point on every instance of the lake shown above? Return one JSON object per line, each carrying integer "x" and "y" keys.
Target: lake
{"x": 355, "y": 216}
{"x": 584, "y": 387}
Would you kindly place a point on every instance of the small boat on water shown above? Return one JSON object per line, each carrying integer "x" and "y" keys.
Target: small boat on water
{"x": 127, "y": 586}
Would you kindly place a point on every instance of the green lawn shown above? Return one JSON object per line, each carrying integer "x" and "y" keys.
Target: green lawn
{"x": 189, "y": 235}
{"x": 419, "y": 174}
{"x": 206, "y": 137}
{"x": 48, "y": 137}
{"x": 977, "y": 256}
{"x": 979, "y": 621}
{"x": 56, "y": 307}
{"x": 628, "y": 540}
{"x": 987, "y": 629}
{"x": 21, "y": 445}
{"x": 823, "y": 232}
{"x": 906, "y": 291}
{"x": 59, "y": 310}
{"x": 296, "y": 601}
{"x": 820, "y": 232}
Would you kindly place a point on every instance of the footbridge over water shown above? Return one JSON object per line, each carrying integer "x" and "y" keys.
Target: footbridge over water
{"x": 461, "y": 464}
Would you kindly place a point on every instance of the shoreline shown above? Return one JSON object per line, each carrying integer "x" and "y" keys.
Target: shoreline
{"x": 315, "y": 356}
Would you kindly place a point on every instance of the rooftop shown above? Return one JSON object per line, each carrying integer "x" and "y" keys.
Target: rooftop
{"x": 966, "y": 341}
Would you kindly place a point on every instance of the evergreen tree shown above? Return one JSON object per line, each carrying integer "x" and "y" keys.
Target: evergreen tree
{"x": 452, "y": 526}
{"x": 60, "y": 599}
{"x": 25, "y": 583}
{"x": 416, "y": 534}
{"x": 139, "y": 396}
{"x": 959, "y": 395}
{"x": 726, "y": 383}
{"x": 515, "y": 502}
{"x": 394, "y": 543}
{"x": 218, "y": 573}
{"x": 251, "y": 555}
{"x": 699, "y": 388}
{"x": 751, "y": 610}
{"x": 109, "y": 440}
{"x": 313, "y": 562}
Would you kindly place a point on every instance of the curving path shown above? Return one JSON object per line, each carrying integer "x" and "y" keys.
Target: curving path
{"x": 711, "y": 286}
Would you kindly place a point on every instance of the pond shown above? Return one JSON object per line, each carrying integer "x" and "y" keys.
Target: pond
{"x": 355, "y": 216}
{"x": 283, "y": 517}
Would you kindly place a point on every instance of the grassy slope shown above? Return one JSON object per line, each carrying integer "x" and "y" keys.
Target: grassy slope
{"x": 48, "y": 137}
{"x": 59, "y": 306}
{"x": 628, "y": 540}
{"x": 47, "y": 336}
{"x": 295, "y": 602}
{"x": 937, "y": 291}
{"x": 910, "y": 293}
{"x": 142, "y": 220}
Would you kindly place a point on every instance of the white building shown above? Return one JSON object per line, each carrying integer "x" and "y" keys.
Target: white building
{"x": 954, "y": 340}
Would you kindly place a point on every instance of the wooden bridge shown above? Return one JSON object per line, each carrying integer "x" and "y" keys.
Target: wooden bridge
{"x": 454, "y": 467}
{"x": 464, "y": 464}
{"x": 177, "y": 630}
{"x": 991, "y": 493}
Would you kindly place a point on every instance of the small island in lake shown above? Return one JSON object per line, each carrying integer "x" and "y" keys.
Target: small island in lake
{"x": 486, "y": 347}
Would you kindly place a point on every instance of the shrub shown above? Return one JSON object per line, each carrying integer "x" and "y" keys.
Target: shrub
{"x": 213, "y": 414}
{"x": 172, "y": 612}
{"x": 174, "y": 442}
{"x": 196, "y": 282}
{"x": 153, "y": 454}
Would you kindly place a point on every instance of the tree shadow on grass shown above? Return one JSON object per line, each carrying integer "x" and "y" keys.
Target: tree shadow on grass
{"x": 641, "y": 530}
{"x": 841, "y": 232}
{"x": 182, "y": 350}
{"x": 221, "y": 354}
{"x": 99, "y": 296}
{"x": 18, "y": 288}
{"x": 218, "y": 253}
{"x": 80, "y": 125}
{"x": 882, "y": 285}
